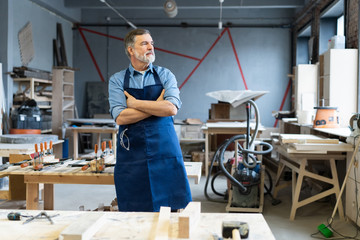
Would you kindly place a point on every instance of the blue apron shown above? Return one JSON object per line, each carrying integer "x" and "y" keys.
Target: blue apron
{"x": 149, "y": 171}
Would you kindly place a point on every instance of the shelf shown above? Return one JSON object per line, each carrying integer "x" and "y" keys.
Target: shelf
{"x": 35, "y": 80}
{"x": 68, "y": 83}
{"x": 46, "y": 131}
{"x": 188, "y": 140}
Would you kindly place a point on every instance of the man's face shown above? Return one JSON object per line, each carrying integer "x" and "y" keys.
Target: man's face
{"x": 144, "y": 48}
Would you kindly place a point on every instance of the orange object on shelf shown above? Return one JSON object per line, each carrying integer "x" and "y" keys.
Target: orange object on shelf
{"x": 25, "y": 131}
{"x": 326, "y": 117}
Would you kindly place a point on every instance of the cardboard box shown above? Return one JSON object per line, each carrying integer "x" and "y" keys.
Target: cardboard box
{"x": 220, "y": 111}
{"x": 200, "y": 157}
{"x": 191, "y": 131}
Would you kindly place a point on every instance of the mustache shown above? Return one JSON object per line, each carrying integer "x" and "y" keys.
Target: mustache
{"x": 150, "y": 52}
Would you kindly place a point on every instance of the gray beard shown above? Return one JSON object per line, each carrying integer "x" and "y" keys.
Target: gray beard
{"x": 144, "y": 58}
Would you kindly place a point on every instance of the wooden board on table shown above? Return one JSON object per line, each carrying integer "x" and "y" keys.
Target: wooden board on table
{"x": 163, "y": 224}
{"x": 84, "y": 228}
{"x": 291, "y": 149}
{"x": 306, "y": 138}
{"x": 188, "y": 219}
{"x": 324, "y": 147}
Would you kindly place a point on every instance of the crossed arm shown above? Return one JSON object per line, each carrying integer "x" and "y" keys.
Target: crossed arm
{"x": 138, "y": 110}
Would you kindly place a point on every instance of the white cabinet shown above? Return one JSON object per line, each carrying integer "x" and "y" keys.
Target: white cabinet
{"x": 306, "y": 76}
{"x": 339, "y": 78}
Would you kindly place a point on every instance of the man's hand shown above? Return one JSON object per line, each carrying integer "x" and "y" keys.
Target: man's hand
{"x": 130, "y": 101}
{"x": 161, "y": 97}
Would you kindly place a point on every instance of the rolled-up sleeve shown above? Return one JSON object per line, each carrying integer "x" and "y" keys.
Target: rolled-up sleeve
{"x": 117, "y": 100}
{"x": 172, "y": 93}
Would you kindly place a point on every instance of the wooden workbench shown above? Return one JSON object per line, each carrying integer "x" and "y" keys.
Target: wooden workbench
{"x": 299, "y": 157}
{"x": 63, "y": 174}
{"x": 16, "y": 153}
{"x": 127, "y": 225}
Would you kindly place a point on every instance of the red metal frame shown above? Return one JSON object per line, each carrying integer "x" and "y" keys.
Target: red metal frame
{"x": 181, "y": 55}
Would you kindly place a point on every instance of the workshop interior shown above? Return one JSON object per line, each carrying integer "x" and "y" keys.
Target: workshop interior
{"x": 267, "y": 125}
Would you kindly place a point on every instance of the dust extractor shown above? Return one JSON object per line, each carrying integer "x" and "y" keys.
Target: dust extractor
{"x": 244, "y": 170}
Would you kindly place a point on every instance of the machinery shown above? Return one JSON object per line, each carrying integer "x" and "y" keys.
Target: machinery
{"x": 354, "y": 125}
{"x": 244, "y": 171}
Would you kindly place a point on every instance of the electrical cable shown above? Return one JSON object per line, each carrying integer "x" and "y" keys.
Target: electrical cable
{"x": 330, "y": 220}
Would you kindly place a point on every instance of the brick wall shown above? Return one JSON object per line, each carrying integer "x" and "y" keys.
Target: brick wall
{"x": 353, "y": 28}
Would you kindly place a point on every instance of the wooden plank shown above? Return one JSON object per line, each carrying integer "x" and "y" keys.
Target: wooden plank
{"x": 162, "y": 226}
{"x": 84, "y": 228}
{"x": 291, "y": 149}
{"x": 4, "y": 194}
{"x": 15, "y": 158}
{"x": 306, "y": 138}
{"x": 188, "y": 219}
{"x": 320, "y": 146}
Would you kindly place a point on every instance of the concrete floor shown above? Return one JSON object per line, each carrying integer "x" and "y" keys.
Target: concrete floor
{"x": 72, "y": 197}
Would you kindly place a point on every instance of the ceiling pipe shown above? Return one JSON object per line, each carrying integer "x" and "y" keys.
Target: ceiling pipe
{"x": 117, "y": 12}
{"x": 185, "y": 25}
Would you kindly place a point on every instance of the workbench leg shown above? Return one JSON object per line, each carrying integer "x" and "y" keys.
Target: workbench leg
{"x": 75, "y": 144}
{"x": 295, "y": 200}
{"x": 206, "y": 154}
{"x": 336, "y": 187}
{"x": 48, "y": 196}
{"x": 32, "y": 196}
{"x": 293, "y": 182}
{"x": 277, "y": 179}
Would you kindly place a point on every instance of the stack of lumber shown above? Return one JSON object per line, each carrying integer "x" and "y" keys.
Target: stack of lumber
{"x": 307, "y": 143}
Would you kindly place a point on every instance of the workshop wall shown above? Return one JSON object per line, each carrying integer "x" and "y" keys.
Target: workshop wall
{"x": 264, "y": 55}
{"x": 43, "y": 32}
{"x": 14, "y": 15}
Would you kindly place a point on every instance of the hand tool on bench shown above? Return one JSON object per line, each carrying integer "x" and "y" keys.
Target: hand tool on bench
{"x": 41, "y": 215}
{"x": 7, "y": 165}
{"x": 235, "y": 229}
{"x": 103, "y": 150}
{"x": 51, "y": 148}
{"x": 110, "y": 148}
{"x": 37, "y": 164}
{"x": 45, "y": 149}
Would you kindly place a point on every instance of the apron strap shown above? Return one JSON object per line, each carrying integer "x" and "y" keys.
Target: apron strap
{"x": 127, "y": 78}
{"x": 156, "y": 77}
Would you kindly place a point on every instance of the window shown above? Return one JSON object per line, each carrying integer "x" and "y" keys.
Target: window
{"x": 340, "y": 26}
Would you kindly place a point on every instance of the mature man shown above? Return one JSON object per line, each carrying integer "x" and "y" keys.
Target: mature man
{"x": 149, "y": 171}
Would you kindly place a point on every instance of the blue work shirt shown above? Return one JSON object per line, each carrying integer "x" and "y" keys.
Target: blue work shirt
{"x": 117, "y": 99}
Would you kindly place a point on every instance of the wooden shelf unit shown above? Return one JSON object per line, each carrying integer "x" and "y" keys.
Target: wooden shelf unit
{"x": 34, "y": 88}
{"x": 63, "y": 100}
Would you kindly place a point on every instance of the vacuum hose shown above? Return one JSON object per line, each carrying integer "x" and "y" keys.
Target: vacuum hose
{"x": 246, "y": 152}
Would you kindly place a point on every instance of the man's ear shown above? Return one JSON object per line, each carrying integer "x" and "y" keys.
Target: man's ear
{"x": 131, "y": 51}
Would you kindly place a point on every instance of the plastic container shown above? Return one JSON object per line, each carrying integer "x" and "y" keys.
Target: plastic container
{"x": 27, "y": 116}
{"x": 337, "y": 42}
